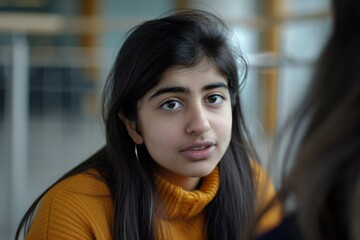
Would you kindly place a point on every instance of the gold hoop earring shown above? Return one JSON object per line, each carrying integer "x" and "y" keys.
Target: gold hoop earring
{"x": 136, "y": 152}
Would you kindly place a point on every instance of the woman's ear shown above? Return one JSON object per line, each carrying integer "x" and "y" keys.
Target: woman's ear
{"x": 131, "y": 128}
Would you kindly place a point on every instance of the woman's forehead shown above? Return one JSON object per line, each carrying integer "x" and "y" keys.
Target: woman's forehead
{"x": 179, "y": 72}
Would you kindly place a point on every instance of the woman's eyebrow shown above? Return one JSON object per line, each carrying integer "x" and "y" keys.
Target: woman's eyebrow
{"x": 175, "y": 89}
{"x": 180, "y": 89}
{"x": 215, "y": 85}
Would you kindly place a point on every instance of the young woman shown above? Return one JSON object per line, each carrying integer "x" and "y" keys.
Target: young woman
{"x": 324, "y": 182}
{"x": 176, "y": 164}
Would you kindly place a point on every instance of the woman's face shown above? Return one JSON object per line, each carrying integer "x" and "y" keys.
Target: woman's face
{"x": 185, "y": 123}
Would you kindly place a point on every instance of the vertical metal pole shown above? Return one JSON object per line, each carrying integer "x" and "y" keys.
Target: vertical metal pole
{"x": 270, "y": 43}
{"x": 19, "y": 90}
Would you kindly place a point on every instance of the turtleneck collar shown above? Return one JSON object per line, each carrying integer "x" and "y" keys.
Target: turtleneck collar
{"x": 180, "y": 203}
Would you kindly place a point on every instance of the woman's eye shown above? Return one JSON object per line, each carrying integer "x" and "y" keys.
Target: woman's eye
{"x": 171, "y": 105}
{"x": 215, "y": 99}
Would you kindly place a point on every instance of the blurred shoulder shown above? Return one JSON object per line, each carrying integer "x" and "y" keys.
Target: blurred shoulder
{"x": 266, "y": 195}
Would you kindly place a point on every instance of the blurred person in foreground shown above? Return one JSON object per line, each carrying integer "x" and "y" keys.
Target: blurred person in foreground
{"x": 323, "y": 185}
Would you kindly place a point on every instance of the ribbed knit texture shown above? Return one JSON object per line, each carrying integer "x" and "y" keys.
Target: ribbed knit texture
{"x": 81, "y": 207}
{"x": 185, "y": 215}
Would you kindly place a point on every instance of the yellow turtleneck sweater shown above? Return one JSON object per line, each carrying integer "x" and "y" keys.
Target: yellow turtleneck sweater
{"x": 81, "y": 207}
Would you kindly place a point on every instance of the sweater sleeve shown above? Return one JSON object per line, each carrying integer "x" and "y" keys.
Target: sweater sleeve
{"x": 76, "y": 208}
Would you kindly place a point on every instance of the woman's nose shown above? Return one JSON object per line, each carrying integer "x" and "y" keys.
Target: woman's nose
{"x": 198, "y": 122}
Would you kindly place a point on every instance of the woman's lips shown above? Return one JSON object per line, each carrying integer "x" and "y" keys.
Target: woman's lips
{"x": 199, "y": 151}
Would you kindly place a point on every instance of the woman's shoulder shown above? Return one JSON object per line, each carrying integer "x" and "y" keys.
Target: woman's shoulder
{"x": 265, "y": 194}
{"x": 83, "y": 190}
{"x": 73, "y": 206}
{"x": 82, "y": 185}
{"x": 88, "y": 182}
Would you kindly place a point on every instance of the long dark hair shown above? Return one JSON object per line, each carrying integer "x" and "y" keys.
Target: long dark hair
{"x": 324, "y": 181}
{"x": 183, "y": 38}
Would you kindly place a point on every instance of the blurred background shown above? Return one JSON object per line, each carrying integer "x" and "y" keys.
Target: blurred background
{"x": 55, "y": 56}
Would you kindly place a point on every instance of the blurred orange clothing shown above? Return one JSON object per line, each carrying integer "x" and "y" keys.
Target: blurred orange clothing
{"x": 80, "y": 207}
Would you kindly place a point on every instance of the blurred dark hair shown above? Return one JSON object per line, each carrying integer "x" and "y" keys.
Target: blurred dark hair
{"x": 324, "y": 181}
{"x": 183, "y": 38}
